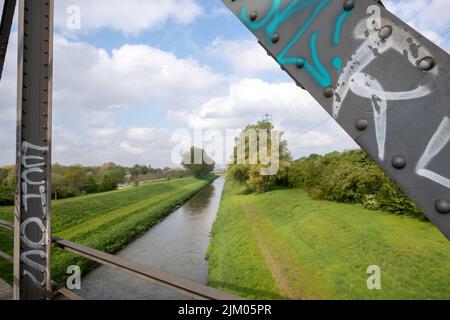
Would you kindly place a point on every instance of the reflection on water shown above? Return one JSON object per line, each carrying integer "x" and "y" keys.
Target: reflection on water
{"x": 176, "y": 246}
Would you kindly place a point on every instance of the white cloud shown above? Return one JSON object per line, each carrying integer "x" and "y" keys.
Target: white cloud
{"x": 145, "y": 134}
{"x": 128, "y": 17}
{"x": 105, "y": 132}
{"x": 426, "y": 16}
{"x": 93, "y": 87}
{"x": 131, "y": 75}
{"x": 133, "y": 150}
{"x": 248, "y": 98}
{"x": 307, "y": 126}
{"x": 246, "y": 57}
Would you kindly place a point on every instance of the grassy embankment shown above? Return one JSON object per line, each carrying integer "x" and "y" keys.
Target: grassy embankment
{"x": 105, "y": 221}
{"x": 283, "y": 244}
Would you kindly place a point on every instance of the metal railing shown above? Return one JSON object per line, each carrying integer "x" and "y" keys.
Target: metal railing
{"x": 186, "y": 287}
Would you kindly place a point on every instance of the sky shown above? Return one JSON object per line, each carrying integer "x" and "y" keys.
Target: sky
{"x": 136, "y": 71}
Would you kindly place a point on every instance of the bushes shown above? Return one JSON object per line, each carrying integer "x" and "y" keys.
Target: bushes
{"x": 7, "y": 186}
{"x": 350, "y": 177}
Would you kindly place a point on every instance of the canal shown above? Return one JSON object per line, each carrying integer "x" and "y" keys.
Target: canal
{"x": 176, "y": 246}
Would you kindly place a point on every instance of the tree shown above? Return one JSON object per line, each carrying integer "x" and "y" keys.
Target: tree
{"x": 116, "y": 173}
{"x": 198, "y": 163}
{"x": 106, "y": 184}
{"x": 250, "y": 171}
{"x": 91, "y": 184}
{"x": 74, "y": 180}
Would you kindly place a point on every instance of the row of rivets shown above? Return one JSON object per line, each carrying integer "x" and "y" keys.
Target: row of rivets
{"x": 426, "y": 64}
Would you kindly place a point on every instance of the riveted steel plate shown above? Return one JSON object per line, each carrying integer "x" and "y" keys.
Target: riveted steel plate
{"x": 32, "y": 226}
{"x": 382, "y": 81}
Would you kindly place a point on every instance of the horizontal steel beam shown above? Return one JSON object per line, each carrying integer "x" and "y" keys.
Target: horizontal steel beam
{"x": 7, "y": 257}
{"x": 69, "y": 294}
{"x": 6, "y": 225}
{"x": 183, "y": 286}
{"x": 5, "y": 29}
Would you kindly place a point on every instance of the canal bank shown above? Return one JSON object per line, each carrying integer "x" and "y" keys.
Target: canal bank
{"x": 177, "y": 246}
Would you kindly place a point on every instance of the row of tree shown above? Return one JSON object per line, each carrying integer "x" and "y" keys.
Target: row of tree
{"x": 76, "y": 180}
{"x": 350, "y": 176}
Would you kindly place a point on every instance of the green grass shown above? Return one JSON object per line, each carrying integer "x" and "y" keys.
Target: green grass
{"x": 106, "y": 221}
{"x": 283, "y": 244}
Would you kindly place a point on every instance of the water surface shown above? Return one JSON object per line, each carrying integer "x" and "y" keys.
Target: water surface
{"x": 177, "y": 246}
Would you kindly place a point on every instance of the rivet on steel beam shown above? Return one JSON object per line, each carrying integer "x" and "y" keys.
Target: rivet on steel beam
{"x": 361, "y": 124}
{"x": 253, "y": 15}
{"x": 427, "y": 63}
{"x": 443, "y": 206}
{"x": 328, "y": 92}
{"x": 349, "y": 5}
{"x": 275, "y": 37}
{"x": 300, "y": 63}
{"x": 399, "y": 162}
{"x": 385, "y": 32}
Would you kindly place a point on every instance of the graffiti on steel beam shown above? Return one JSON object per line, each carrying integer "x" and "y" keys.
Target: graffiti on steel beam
{"x": 33, "y": 163}
{"x": 343, "y": 52}
{"x": 437, "y": 143}
{"x": 276, "y": 17}
{"x": 379, "y": 36}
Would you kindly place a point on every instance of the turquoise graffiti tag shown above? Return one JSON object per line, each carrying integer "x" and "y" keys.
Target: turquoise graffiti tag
{"x": 276, "y": 17}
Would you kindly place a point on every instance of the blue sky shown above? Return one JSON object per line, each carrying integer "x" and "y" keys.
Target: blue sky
{"x": 137, "y": 70}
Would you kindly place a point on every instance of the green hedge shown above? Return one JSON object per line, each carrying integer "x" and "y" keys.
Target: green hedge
{"x": 350, "y": 177}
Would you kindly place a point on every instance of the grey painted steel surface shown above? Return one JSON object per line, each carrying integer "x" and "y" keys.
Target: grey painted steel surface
{"x": 5, "y": 29}
{"x": 382, "y": 81}
{"x": 32, "y": 238}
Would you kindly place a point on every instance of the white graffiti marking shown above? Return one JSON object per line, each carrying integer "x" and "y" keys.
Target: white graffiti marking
{"x": 352, "y": 77}
{"x": 28, "y": 242}
{"x": 435, "y": 146}
{"x": 365, "y": 86}
{"x": 32, "y": 166}
{"x": 34, "y": 265}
